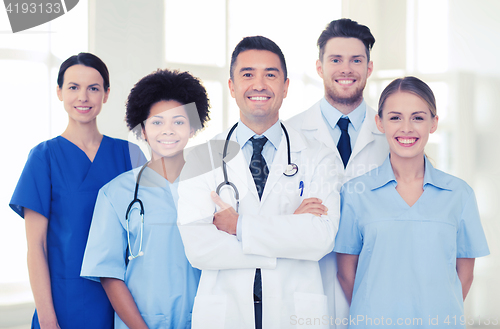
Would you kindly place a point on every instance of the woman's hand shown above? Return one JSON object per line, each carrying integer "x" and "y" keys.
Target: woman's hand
{"x": 347, "y": 265}
{"x": 123, "y": 303}
{"x": 312, "y": 206}
{"x": 38, "y": 268}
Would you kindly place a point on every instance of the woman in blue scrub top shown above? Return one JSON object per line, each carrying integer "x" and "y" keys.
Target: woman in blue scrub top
{"x": 409, "y": 233}
{"x": 156, "y": 289}
{"x": 56, "y": 194}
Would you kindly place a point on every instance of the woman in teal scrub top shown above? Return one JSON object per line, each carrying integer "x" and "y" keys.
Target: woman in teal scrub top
{"x": 149, "y": 280}
{"x": 409, "y": 233}
{"x": 56, "y": 194}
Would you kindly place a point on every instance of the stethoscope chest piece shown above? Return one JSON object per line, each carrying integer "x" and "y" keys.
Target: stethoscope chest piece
{"x": 291, "y": 170}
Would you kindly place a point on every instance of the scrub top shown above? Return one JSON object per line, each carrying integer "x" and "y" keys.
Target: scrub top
{"x": 406, "y": 274}
{"x": 61, "y": 183}
{"x": 162, "y": 281}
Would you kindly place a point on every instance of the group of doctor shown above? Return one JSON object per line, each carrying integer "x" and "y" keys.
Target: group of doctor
{"x": 335, "y": 214}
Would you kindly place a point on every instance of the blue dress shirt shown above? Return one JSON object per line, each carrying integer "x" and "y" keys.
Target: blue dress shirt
{"x": 331, "y": 115}
{"x": 407, "y": 255}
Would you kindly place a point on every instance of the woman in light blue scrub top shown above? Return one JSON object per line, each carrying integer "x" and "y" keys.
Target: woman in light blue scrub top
{"x": 409, "y": 233}
{"x": 156, "y": 288}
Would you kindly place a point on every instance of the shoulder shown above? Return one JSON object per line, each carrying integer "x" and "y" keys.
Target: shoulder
{"x": 366, "y": 182}
{"x": 117, "y": 142}
{"x": 43, "y": 150}
{"x": 453, "y": 183}
{"x": 297, "y": 120}
{"x": 125, "y": 180}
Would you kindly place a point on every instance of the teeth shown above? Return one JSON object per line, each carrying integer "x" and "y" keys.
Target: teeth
{"x": 259, "y": 98}
{"x": 168, "y": 143}
{"x": 345, "y": 82}
{"x": 407, "y": 140}
{"x": 80, "y": 108}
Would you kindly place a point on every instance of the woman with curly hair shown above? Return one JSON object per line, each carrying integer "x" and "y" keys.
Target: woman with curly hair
{"x": 141, "y": 264}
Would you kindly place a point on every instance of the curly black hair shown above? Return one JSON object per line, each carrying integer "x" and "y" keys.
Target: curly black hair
{"x": 166, "y": 85}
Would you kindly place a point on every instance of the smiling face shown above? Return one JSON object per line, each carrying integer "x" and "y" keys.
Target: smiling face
{"x": 82, "y": 93}
{"x": 407, "y": 122}
{"x": 344, "y": 69}
{"x": 167, "y": 129}
{"x": 259, "y": 87}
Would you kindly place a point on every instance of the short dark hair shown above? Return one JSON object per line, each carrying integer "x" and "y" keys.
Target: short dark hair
{"x": 86, "y": 59}
{"x": 167, "y": 85}
{"x": 346, "y": 28}
{"x": 410, "y": 85}
{"x": 257, "y": 42}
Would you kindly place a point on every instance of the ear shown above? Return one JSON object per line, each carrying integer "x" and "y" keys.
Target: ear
{"x": 143, "y": 134}
{"x": 434, "y": 124}
{"x": 231, "y": 87}
{"x": 285, "y": 89}
{"x": 319, "y": 68}
{"x": 380, "y": 126}
{"x": 106, "y": 95}
{"x": 59, "y": 93}
{"x": 370, "y": 69}
{"x": 191, "y": 132}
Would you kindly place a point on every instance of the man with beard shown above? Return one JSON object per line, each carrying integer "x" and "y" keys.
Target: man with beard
{"x": 345, "y": 123}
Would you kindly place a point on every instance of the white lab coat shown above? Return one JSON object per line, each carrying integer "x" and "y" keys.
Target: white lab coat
{"x": 369, "y": 152}
{"x": 286, "y": 247}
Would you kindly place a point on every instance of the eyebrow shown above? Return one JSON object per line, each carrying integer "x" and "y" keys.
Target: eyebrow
{"x": 174, "y": 117}
{"x": 274, "y": 69}
{"x": 353, "y": 56}
{"x": 92, "y": 85}
{"x": 418, "y": 112}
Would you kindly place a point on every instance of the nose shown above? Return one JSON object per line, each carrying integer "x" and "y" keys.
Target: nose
{"x": 259, "y": 83}
{"x": 407, "y": 126}
{"x": 168, "y": 129}
{"x": 346, "y": 67}
{"x": 82, "y": 95}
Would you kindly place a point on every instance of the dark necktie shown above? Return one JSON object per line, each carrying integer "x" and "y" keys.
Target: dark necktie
{"x": 258, "y": 166}
{"x": 344, "y": 144}
{"x": 259, "y": 171}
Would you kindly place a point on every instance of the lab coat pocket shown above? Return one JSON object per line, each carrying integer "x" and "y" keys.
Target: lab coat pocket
{"x": 209, "y": 311}
{"x": 311, "y": 310}
{"x": 155, "y": 321}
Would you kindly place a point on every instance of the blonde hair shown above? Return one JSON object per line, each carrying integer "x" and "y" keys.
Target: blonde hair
{"x": 410, "y": 85}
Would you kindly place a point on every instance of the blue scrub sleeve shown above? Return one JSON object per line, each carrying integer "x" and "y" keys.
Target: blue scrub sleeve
{"x": 471, "y": 241}
{"x": 349, "y": 239}
{"x": 33, "y": 190}
{"x": 107, "y": 243}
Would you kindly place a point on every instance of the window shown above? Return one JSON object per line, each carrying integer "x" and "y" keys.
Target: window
{"x": 29, "y": 62}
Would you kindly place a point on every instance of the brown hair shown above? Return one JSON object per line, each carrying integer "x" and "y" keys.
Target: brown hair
{"x": 410, "y": 85}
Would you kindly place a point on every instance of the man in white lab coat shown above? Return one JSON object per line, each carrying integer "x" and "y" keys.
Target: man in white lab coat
{"x": 345, "y": 123}
{"x": 259, "y": 255}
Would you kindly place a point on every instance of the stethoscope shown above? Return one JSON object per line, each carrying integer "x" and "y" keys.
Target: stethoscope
{"x": 141, "y": 212}
{"x": 291, "y": 168}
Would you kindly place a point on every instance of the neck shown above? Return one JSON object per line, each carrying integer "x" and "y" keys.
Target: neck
{"x": 82, "y": 133}
{"x": 408, "y": 169}
{"x": 343, "y": 108}
{"x": 257, "y": 126}
{"x": 168, "y": 167}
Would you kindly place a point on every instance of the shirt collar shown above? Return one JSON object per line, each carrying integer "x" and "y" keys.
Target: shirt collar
{"x": 273, "y": 134}
{"x": 384, "y": 174}
{"x": 332, "y": 115}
